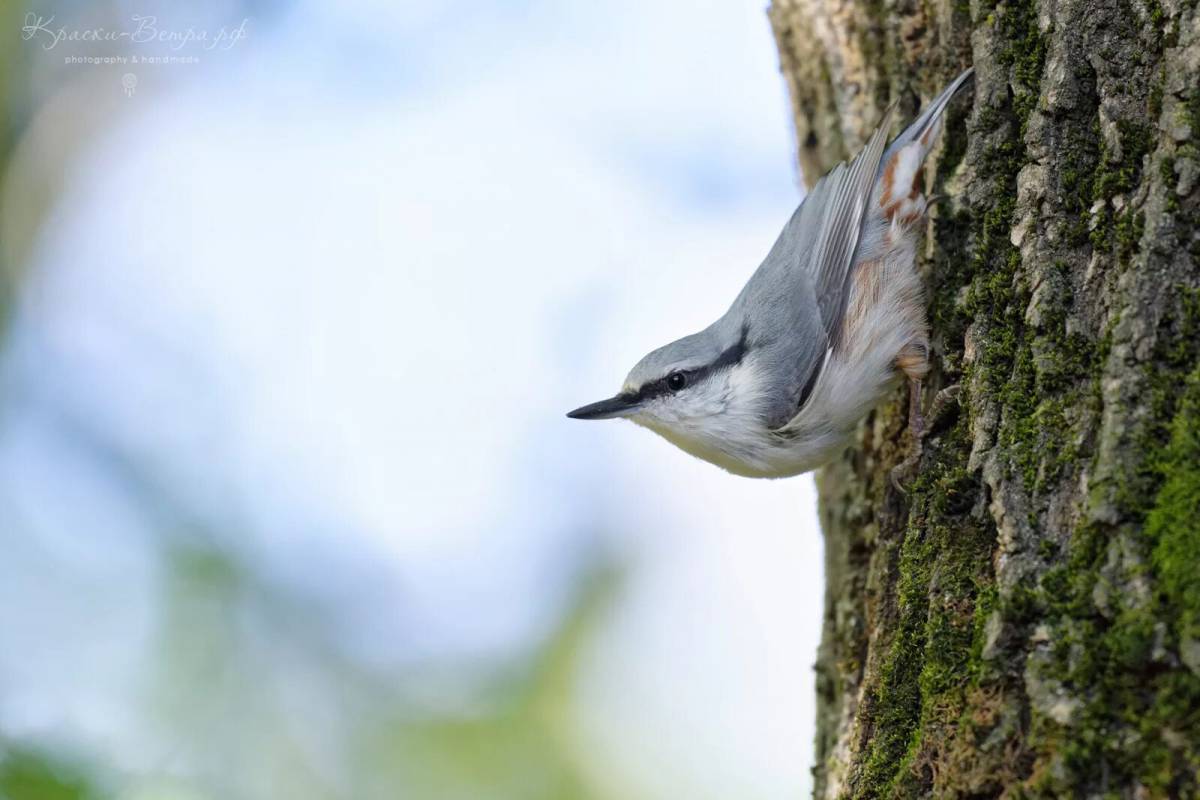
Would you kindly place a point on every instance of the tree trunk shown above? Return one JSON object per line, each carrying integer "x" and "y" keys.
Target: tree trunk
{"x": 1025, "y": 620}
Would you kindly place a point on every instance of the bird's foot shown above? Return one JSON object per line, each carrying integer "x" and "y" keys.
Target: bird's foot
{"x": 942, "y": 401}
{"x": 919, "y": 426}
{"x": 906, "y": 470}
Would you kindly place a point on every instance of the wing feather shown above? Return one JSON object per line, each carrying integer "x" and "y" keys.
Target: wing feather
{"x": 794, "y": 303}
{"x": 842, "y": 196}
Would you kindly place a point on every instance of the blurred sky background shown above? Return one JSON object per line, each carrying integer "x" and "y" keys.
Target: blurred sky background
{"x": 289, "y": 506}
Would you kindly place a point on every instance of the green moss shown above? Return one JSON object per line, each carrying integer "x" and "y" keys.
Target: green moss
{"x": 1118, "y": 176}
{"x": 1127, "y": 232}
{"x": 1118, "y": 599}
{"x": 1023, "y": 51}
{"x": 1156, "y": 13}
{"x": 1155, "y": 103}
{"x": 1176, "y": 352}
{"x": 1120, "y": 662}
{"x": 945, "y": 589}
{"x": 931, "y": 661}
{"x": 1166, "y": 171}
{"x": 1111, "y": 230}
{"x": 921, "y": 709}
{"x": 1075, "y": 186}
{"x": 1173, "y": 524}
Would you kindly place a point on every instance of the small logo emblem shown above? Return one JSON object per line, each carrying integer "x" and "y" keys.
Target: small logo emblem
{"x": 129, "y": 81}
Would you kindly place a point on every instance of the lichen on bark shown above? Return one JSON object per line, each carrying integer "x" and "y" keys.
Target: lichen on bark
{"x": 1025, "y": 621}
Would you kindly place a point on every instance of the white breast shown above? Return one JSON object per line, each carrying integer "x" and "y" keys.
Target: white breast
{"x": 885, "y": 315}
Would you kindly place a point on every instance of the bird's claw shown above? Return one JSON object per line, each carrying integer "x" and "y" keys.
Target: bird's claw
{"x": 919, "y": 426}
{"x": 941, "y": 401}
{"x": 903, "y": 472}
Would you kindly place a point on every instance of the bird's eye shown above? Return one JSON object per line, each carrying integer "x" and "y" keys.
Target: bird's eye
{"x": 676, "y": 381}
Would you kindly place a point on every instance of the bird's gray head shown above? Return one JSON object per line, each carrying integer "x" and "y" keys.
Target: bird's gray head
{"x": 682, "y": 389}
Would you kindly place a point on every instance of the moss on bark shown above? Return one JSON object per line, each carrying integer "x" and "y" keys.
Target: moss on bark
{"x": 1025, "y": 621}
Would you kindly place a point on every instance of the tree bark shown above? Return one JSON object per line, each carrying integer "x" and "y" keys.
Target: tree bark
{"x": 1025, "y": 620}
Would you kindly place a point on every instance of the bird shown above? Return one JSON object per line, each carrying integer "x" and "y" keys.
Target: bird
{"x": 826, "y": 327}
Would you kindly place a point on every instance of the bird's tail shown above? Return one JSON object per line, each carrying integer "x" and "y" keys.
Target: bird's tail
{"x": 925, "y": 128}
{"x": 898, "y": 181}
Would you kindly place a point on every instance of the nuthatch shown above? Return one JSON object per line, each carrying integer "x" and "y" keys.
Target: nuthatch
{"x": 819, "y": 334}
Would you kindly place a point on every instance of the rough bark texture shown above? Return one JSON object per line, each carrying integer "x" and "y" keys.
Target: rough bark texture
{"x": 1025, "y": 622}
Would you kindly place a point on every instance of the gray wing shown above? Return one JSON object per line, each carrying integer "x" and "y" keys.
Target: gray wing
{"x": 794, "y": 303}
{"x": 840, "y": 199}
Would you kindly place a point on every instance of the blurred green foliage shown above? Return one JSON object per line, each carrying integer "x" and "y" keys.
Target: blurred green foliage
{"x": 26, "y": 773}
{"x": 255, "y": 704}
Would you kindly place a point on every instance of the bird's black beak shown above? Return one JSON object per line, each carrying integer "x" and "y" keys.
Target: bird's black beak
{"x": 619, "y": 406}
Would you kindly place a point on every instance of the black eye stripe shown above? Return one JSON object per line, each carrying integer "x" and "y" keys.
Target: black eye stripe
{"x": 657, "y": 388}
